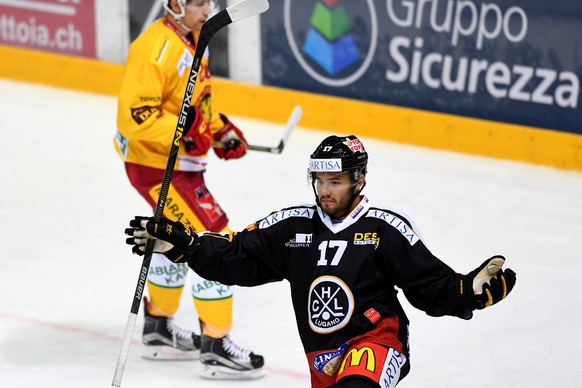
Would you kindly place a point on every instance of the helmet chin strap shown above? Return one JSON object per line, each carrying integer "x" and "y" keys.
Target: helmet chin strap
{"x": 315, "y": 192}
{"x": 355, "y": 193}
{"x": 181, "y": 23}
{"x": 178, "y": 17}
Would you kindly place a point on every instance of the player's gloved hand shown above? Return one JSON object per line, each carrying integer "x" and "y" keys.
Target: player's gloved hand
{"x": 171, "y": 237}
{"x": 232, "y": 143}
{"x": 488, "y": 284}
{"x": 197, "y": 136}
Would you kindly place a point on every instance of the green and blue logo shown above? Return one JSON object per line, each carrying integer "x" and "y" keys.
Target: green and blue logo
{"x": 329, "y": 41}
{"x": 334, "y": 43}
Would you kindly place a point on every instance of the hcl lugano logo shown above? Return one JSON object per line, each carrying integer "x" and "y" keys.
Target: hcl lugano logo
{"x": 329, "y": 42}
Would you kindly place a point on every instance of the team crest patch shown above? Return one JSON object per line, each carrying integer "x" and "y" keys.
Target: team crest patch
{"x": 330, "y": 305}
{"x": 143, "y": 113}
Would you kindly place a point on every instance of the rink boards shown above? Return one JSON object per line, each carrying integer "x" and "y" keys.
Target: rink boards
{"x": 324, "y": 112}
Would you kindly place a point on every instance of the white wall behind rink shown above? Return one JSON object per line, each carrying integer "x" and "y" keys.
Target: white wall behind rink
{"x": 112, "y": 26}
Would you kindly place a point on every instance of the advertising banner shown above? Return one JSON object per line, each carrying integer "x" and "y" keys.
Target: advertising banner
{"x": 516, "y": 62}
{"x": 60, "y": 26}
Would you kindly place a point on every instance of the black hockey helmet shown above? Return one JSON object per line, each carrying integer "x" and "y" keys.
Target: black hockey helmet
{"x": 340, "y": 154}
{"x": 335, "y": 154}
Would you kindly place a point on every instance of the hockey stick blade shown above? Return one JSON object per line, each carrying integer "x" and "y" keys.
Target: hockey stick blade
{"x": 235, "y": 12}
{"x": 246, "y": 9}
{"x": 292, "y": 122}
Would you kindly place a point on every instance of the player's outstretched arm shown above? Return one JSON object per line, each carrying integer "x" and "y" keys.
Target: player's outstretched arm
{"x": 488, "y": 284}
{"x": 171, "y": 238}
{"x": 228, "y": 259}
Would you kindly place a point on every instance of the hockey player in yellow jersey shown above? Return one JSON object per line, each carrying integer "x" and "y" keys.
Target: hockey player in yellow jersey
{"x": 157, "y": 67}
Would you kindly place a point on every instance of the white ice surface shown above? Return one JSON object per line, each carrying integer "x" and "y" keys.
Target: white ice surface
{"x": 67, "y": 277}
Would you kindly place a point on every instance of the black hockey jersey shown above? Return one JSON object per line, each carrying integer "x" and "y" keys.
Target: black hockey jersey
{"x": 341, "y": 274}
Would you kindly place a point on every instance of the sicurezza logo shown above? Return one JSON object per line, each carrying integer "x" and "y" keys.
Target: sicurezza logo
{"x": 324, "y": 43}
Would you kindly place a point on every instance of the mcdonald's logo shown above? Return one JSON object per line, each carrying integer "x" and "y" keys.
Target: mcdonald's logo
{"x": 356, "y": 356}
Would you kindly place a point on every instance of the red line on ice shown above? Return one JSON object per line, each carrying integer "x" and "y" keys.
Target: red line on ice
{"x": 94, "y": 333}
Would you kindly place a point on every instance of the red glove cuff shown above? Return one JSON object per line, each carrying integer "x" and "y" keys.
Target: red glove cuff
{"x": 233, "y": 144}
{"x": 197, "y": 136}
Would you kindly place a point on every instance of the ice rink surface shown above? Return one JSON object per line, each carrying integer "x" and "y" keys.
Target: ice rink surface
{"x": 67, "y": 277}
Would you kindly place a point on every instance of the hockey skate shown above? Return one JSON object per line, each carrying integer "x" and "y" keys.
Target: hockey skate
{"x": 164, "y": 340}
{"x": 225, "y": 360}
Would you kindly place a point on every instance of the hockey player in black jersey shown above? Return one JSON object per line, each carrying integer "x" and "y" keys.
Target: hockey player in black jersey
{"x": 344, "y": 257}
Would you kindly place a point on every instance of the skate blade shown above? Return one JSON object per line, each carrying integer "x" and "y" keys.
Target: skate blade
{"x": 215, "y": 372}
{"x": 168, "y": 353}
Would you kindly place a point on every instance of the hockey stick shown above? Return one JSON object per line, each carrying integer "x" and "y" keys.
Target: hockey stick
{"x": 292, "y": 122}
{"x": 234, "y": 13}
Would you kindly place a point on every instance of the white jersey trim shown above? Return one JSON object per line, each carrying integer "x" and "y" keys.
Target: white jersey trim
{"x": 281, "y": 215}
{"x": 192, "y": 163}
{"x": 399, "y": 221}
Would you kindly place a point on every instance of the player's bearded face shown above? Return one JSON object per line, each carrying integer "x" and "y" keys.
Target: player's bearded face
{"x": 334, "y": 191}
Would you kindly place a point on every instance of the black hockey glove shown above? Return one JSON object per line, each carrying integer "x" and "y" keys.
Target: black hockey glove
{"x": 488, "y": 284}
{"x": 171, "y": 238}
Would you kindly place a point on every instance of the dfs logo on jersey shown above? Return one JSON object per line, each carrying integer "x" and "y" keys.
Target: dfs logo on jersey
{"x": 367, "y": 238}
{"x": 331, "y": 304}
{"x": 335, "y": 41}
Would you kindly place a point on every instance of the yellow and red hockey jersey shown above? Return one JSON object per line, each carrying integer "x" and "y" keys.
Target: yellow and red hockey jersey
{"x": 156, "y": 73}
